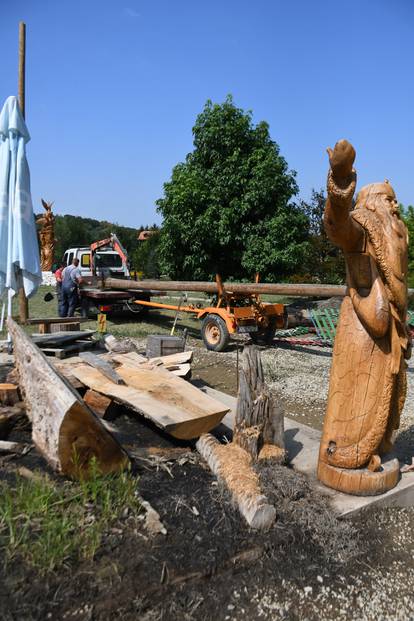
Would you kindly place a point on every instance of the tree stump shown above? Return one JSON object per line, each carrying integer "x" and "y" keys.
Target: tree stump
{"x": 259, "y": 426}
{"x": 9, "y": 394}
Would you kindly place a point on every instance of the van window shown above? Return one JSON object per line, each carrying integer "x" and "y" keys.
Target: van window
{"x": 86, "y": 260}
{"x": 108, "y": 260}
{"x": 70, "y": 258}
{"x": 65, "y": 259}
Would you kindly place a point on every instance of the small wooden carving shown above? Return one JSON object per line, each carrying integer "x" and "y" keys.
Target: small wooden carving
{"x": 47, "y": 237}
{"x": 368, "y": 375}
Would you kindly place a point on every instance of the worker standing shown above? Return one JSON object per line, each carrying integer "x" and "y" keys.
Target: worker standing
{"x": 58, "y": 276}
{"x": 71, "y": 278}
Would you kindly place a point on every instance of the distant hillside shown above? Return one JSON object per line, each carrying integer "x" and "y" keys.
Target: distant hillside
{"x": 77, "y": 231}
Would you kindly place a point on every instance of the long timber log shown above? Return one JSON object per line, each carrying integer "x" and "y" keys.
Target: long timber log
{"x": 294, "y": 290}
{"x": 283, "y": 288}
{"x": 64, "y": 428}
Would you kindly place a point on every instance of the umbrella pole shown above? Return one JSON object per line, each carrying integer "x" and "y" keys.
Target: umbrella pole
{"x": 23, "y": 302}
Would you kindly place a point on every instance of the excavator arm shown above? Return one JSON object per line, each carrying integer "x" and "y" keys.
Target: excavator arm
{"x": 113, "y": 242}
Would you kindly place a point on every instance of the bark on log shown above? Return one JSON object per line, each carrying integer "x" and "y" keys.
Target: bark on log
{"x": 9, "y": 394}
{"x": 64, "y": 428}
{"x": 259, "y": 423}
{"x": 233, "y": 466}
{"x": 294, "y": 290}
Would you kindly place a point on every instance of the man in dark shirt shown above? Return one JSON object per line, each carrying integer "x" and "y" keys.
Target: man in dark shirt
{"x": 71, "y": 278}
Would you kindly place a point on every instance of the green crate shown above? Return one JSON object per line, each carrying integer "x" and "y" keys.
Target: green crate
{"x": 325, "y": 322}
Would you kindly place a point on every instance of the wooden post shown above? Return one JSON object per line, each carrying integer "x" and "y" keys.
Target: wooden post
{"x": 23, "y": 302}
{"x": 259, "y": 425}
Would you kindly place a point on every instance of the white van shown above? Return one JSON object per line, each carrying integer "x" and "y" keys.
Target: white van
{"x": 108, "y": 262}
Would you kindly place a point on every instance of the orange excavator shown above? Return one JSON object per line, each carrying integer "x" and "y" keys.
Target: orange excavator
{"x": 97, "y": 260}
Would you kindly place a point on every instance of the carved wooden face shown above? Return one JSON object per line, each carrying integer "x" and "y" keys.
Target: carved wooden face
{"x": 376, "y": 194}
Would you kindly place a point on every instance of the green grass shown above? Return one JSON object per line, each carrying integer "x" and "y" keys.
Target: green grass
{"x": 47, "y": 524}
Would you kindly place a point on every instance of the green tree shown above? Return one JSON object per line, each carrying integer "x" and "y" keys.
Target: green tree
{"x": 74, "y": 231}
{"x": 407, "y": 214}
{"x": 226, "y": 208}
{"x": 145, "y": 258}
{"x": 324, "y": 261}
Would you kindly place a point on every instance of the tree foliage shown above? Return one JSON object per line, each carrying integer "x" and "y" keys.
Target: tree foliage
{"x": 226, "y": 208}
{"x": 407, "y": 214}
{"x": 145, "y": 257}
{"x": 73, "y": 231}
{"x": 324, "y": 261}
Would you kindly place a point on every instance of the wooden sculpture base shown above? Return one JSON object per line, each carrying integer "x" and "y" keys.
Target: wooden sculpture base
{"x": 361, "y": 481}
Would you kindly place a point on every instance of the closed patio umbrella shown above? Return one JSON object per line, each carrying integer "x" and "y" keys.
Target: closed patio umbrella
{"x": 19, "y": 249}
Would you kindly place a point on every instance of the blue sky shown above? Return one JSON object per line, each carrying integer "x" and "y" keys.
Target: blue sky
{"x": 113, "y": 90}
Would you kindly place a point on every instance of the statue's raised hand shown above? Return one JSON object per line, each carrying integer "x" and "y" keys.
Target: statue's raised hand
{"x": 341, "y": 159}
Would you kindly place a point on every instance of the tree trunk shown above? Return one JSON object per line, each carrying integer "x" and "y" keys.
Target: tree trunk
{"x": 64, "y": 428}
{"x": 233, "y": 466}
{"x": 259, "y": 425}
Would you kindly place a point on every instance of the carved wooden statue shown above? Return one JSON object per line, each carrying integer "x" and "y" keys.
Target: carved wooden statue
{"x": 47, "y": 237}
{"x": 368, "y": 375}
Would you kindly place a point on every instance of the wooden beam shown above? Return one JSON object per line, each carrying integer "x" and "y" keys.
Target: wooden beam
{"x": 101, "y": 365}
{"x": 64, "y": 429}
{"x": 49, "y": 320}
{"x": 170, "y": 402}
{"x": 23, "y": 302}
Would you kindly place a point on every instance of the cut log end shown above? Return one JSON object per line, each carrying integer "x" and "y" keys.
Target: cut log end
{"x": 81, "y": 440}
{"x": 274, "y": 454}
{"x": 9, "y": 394}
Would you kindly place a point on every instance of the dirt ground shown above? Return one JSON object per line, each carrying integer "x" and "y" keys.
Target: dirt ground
{"x": 209, "y": 565}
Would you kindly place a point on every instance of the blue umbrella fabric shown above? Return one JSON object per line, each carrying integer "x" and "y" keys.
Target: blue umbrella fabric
{"x": 19, "y": 248}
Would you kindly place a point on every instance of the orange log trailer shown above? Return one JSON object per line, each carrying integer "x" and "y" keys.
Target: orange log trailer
{"x": 232, "y": 313}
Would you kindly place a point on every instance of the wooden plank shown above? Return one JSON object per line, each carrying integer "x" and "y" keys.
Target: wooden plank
{"x": 49, "y": 320}
{"x": 60, "y": 338}
{"x": 173, "y": 359}
{"x": 68, "y": 326}
{"x": 135, "y": 360}
{"x": 12, "y": 447}
{"x": 103, "y": 366}
{"x": 97, "y": 402}
{"x": 63, "y": 352}
{"x": 65, "y": 369}
{"x": 181, "y": 370}
{"x": 64, "y": 429}
{"x": 170, "y": 402}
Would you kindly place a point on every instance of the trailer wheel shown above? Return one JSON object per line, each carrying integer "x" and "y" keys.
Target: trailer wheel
{"x": 215, "y": 333}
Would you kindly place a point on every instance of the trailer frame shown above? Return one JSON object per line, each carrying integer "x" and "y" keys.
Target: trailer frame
{"x": 232, "y": 313}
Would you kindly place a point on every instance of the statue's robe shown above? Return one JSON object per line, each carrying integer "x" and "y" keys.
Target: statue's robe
{"x": 368, "y": 376}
